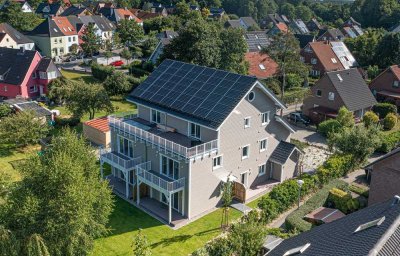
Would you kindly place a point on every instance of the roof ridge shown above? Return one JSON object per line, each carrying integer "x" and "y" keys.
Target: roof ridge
{"x": 389, "y": 232}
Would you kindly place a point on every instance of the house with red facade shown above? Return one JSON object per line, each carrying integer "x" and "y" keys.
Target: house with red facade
{"x": 386, "y": 86}
{"x": 25, "y": 73}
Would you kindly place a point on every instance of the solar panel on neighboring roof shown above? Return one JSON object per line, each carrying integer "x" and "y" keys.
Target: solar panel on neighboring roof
{"x": 203, "y": 93}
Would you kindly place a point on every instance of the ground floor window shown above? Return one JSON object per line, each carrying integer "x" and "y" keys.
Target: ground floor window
{"x": 261, "y": 169}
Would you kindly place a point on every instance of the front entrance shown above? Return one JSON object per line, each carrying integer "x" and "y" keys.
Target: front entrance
{"x": 239, "y": 192}
{"x": 244, "y": 178}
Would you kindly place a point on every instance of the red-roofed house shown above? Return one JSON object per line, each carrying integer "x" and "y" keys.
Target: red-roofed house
{"x": 98, "y": 131}
{"x": 386, "y": 87}
{"x": 278, "y": 28}
{"x": 124, "y": 14}
{"x": 261, "y": 65}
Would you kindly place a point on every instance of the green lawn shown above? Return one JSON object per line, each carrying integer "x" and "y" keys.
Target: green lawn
{"x": 127, "y": 219}
{"x": 75, "y": 76}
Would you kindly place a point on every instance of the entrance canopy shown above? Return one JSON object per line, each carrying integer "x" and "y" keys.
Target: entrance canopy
{"x": 224, "y": 175}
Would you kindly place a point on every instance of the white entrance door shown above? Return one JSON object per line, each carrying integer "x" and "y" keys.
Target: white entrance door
{"x": 41, "y": 90}
{"x": 244, "y": 178}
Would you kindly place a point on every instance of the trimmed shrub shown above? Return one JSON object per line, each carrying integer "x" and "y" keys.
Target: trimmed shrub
{"x": 339, "y": 199}
{"x": 295, "y": 221}
{"x": 370, "y": 118}
{"x": 382, "y": 109}
{"x": 101, "y": 72}
{"x": 337, "y": 165}
{"x": 390, "y": 121}
{"x": 359, "y": 190}
{"x": 328, "y": 126}
{"x": 345, "y": 117}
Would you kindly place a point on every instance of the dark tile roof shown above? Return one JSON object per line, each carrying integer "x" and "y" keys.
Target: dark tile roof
{"x": 200, "y": 94}
{"x": 282, "y": 152}
{"x": 249, "y": 21}
{"x": 391, "y": 153}
{"x": 47, "y": 28}
{"x": 335, "y": 33}
{"x": 103, "y": 23}
{"x": 14, "y": 34}
{"x": 33, "y": 106}
{"x": 256, "y": 40}
{"x": 52, "y": 8}
{"x": 233, "y": 24}
{"x": 352, "y": 89}
{"x": 14, "y": 64}
{"x": 299, "y": 26}
{"x": 304, "y": 39}
{"x": 74, "y": 10}
{"x": 339, "y": 237}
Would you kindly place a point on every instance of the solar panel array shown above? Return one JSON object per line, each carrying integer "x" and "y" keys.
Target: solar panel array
{"x": 204, "y": 93}
{"x": 257, "y": 40}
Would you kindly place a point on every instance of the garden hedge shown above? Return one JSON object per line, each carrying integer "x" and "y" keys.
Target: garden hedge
{"x": 389, "y": 142}
{"x": 101, "y": 72}
{"x": 382, "y": 109}
{"x": 328, "y": 126}
{"x": 295, "y": 219}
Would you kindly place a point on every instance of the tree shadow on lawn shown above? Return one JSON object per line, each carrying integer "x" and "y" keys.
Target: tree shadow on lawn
{"x": 127, "y": 218}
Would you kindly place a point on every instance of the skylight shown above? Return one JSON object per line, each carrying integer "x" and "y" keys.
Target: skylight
{"x": 340, "y": 77}
{"x": 262, "y": 67}
{"x": 333, "y": 60}
{"x": 297, "y": 250}
{"x": 370, "y": 224}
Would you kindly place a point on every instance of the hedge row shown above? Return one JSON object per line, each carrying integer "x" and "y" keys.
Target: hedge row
{"x": 101, "y": 72}
{"x": 336, "y": 166}
{"x": 295, "y": 219}
{"x": 389, "y": 142}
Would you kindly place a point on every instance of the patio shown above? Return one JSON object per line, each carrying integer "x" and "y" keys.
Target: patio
{"x": 259, "y": 189}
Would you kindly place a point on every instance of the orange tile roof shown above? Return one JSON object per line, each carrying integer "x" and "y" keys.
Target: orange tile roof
{"x": 282, "y": 27}
{"x": 323, "y": 51}
{"x": 64, "y": 25}
{"x": 396, "y": 70}
{"x": 257, "y": 61}
{"x": 127, "y": 13}
{"x": 100, "y": 124}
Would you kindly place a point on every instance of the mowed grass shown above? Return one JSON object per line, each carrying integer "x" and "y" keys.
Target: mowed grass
{"x": 126, "y": 220}
{"x": 75, "y": 76}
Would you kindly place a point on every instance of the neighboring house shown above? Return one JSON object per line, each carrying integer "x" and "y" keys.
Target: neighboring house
{"x": 65, "y": 3}
{"x": 304, "y": 40}
{"x": 242, "y": 22}
{"x": 338, "y": 89}
{"x": 25, "y": 7}
{"x": 195, "y": 128}
{"x": 278, "y": 28}
{"x": 76, "y": 10}
{"x": 261, "y": 65}
{"x": 348, "y": 32}
{"x": 12, "y": 38}
{"x": 49, "y": 10}
{"x": 54, "y": 36}
{"x": 333, "y": 34}
{"x": 99, "y": 5}
{"x": 297, "y": 26}
{"x": 118, "y": 14}
{"x": 271, "y": 20}
{"x": 386, "y": 86}
{"x": 385, "y": 177}
{"x": 25, "y": 73}
{"x": 216, "y": 13}
{"x": 104, "y": 28}
{"x": 374, "y": 230}
{"x": 327, "y": 56}
{"x": 165, "y": 38}
{"x": 22, "y": 105}
{"x": 256, "y": 40}
{"x": 314, "y": 25}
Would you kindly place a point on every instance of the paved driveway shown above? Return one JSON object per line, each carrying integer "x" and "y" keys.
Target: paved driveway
{"x": 310, "y": 136}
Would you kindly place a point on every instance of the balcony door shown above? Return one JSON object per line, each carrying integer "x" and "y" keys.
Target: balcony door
{"x": 125, "y": 146}
{"x": 169, "y": 167}
{"x": 175, "y": 200}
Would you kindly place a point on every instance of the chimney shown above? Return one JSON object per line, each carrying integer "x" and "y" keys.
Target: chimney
{"x": 396, "y": 200}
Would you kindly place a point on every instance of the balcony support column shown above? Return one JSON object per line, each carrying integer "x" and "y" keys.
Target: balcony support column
{"x": 183, "y": 203}
{"x": 169, "y": 208}
{"x": 137, "y": 190}
{"x": 126, "y": 184}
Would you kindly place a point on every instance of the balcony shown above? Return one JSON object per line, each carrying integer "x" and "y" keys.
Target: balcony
{"x": 158, "y": 181}
{"x": 119, "y": 160}
{"x": 168, "y": 141}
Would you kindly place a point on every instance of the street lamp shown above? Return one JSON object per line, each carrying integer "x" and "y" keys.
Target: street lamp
{"x": 300, "y": 184}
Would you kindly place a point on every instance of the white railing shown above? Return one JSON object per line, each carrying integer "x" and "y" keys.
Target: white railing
{"x": 143, "y": 172}
{"x": 108, "y": 154}
{"x": 167, "y": 145}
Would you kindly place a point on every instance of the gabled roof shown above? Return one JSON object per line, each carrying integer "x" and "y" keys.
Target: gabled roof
{"x": 48, "y": 9}
{"x": 103, "y": 23}
{"x": 166, "y": 36}
{"x": 74, "y": 10}
{"x": 335, "y": 33}
{"x": 339, "y": 237}
{"x": 261, "y": 65}
{"x": 304, "y": 39}
{"x": 275, "y": 18}
{"x": 300, "y": 26}
{"x": 391, "y": 153}
{"x": 18, "y": 37}
{"x": 48, "y": 28}
{"x": 233, "y": 24}
{"x": 249, "y": 21}
{"x": 282, "y": 152}
{"x": 395, "y": 70}
{"x": 14, "y": 64}
{"x": 325, "y": 55}
{"x": 199, "y": 94}
{"x": 100, "y": 124}
{"x": 256, "y": 40}
{"x": 352, "y": 89}
{"x": 64, "y": 26}
{"x": 282, "y": 27}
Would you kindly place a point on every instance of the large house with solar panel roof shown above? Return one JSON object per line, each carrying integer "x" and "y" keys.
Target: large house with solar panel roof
{"x": 195, "y": 128}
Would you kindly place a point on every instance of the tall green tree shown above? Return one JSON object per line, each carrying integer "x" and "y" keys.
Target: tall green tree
{"x": 117, "y": 83}
{"x": 285, "y": 51}
{"x": 22, "y": 129}
{"x": 247, "y": 238}
{"x": 9, "y": 245}
{"x": 232, "y": 50}
{"x": 130, "y": 33}
{"x": 345, "y": 117}
{"x": 36, "y": 246}
{"x": 388, "y": 50}
{"x": 61, "y": 198}
{"x": 22, "y": 21}
{"x": 91, "y": 41}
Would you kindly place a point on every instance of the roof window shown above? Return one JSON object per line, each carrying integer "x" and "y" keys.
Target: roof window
{"x": 333, "y": 60}
{"x": 297, "y": 250}
{"x": 262, "y": 67}
{"x": 340, "y": 77}
{"x": 370, "y": 224}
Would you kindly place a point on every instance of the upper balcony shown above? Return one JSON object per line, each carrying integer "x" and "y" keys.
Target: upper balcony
{"x": 116, "y": 159}
{"x": 165, "y": 138}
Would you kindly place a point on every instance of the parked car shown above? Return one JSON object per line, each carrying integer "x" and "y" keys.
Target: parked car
{"x": 298, "y": 117}
{"x": 117, "y": 63}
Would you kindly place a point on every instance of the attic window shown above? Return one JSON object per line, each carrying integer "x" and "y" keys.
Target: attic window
{"x": 297, "y": 250}
{"x": 340, "y": 77}
{"x": 370, "y": 224}
{"x": 262, "y": 67}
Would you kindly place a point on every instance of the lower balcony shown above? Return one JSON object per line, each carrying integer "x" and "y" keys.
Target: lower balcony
{"x": 118, "y": 160}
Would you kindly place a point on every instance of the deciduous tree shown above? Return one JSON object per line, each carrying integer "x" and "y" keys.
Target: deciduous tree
{"x": 116, "y": 84}
{"x": 130, "y": 32}
{"x": 91, "y": 41}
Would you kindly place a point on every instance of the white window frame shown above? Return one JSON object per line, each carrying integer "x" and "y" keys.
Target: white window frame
{"x": 396, "y": 84}
{"x": 314, "y": 61}
{"x": 331, "y": 96}
{"x": 248, "y": 152}
{"x": 265, "y": 146}
{"x": 249, "y": 122}
{"x": 5, "y": 88}
{"x": 34, "y": 89}
{"x": 334, "y": 60}
{"x": 217, "y": 166}
{"x": 264, "y": 168}
{"x": 168, "y": 170}
{"x": 157, "y": 117}
{"x": 263, "y": 122}
{"x": 197, "y": 129}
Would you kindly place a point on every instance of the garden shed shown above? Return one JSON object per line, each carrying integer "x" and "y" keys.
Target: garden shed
{"x": 97, "y": 131}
